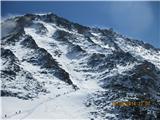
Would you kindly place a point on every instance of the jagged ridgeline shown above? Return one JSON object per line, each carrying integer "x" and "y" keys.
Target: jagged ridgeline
{"x": 39, "y": 51}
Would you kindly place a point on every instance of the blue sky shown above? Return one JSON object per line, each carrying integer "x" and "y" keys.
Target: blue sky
{"x": 139, "y": 20}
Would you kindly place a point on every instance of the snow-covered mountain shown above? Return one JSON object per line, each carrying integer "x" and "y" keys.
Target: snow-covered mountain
{"x": 57, "y": 69}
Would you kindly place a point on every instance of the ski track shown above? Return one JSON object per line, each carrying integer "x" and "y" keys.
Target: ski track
{"x": 40, "y": 104}
{"x": 30, "y": 111}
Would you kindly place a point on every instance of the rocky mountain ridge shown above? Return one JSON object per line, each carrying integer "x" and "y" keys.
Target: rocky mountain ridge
{"x": 40, "y": 51}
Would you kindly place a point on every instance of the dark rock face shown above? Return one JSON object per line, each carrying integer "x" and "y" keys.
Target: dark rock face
{"x": 12, "y": 62}
{"x": 40, "y": 28}
{"x": 29, "y": 43}
{"x": 61, "y": 22}
{"x": 26, "y": 20}
{"x": 9, "y": 74}
{"x": 42, "y": 58}
{"x": 75, "y": 52}
{"x": 63, "y": 75}
{"x": 104, "y": 106}
{"x": 110, "y": 61}
{"x": 11, "y": 39}
{"x": 142, "y": 78}
{"x": 96, "y": 59}
{"x": 81, "y": 29}
{"x": 63, "y": 36}
{"x": 136, "y": 86}
{"x": 8, "y": 93}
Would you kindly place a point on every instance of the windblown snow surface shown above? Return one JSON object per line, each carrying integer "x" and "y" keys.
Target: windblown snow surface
{"x": 52, "y": 68}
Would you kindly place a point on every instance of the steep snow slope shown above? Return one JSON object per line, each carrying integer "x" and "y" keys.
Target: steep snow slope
{"x": 80, "y": 70}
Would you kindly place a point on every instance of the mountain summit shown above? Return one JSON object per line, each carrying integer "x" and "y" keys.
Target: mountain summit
{"x": 54, "y": 68}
